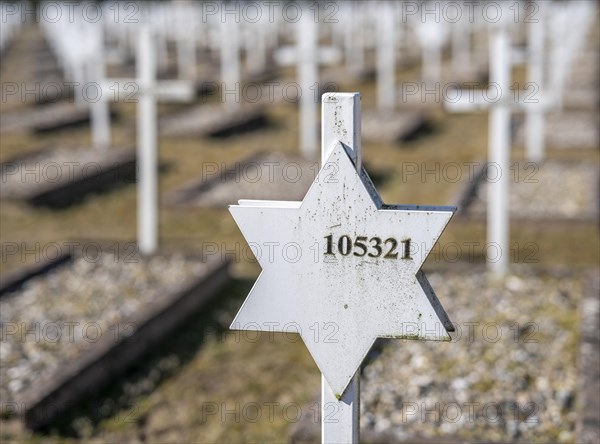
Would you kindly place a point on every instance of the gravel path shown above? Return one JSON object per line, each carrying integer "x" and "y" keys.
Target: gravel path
{"x": 57, "y": 316}
{"x": 551, "y": 190}
{"x": 497, "y": 380}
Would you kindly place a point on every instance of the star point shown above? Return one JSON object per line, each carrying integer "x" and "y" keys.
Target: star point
{"x": 341, "y": 268}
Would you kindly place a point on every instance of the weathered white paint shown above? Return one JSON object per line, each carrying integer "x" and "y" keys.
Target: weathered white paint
{"x": 348, "y": 299}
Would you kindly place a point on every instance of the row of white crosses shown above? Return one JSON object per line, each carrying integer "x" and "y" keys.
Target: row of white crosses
{"x": 307, "y": 56}
{"x": 499, "y": 142}
{"x": 147, "y": 91}
{"x": 342, "y": 276}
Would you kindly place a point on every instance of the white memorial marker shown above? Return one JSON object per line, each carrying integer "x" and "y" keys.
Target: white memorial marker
{"x": 230, "y": 62}
{"x": 498, "y": 142}
{"x": 148, "y": 91}
{"x": 534, "y": 118}
{"x": 307, "y": 55}
{"x": 386, "y": 58}
{"x": 432, "y": 35}
{"x": 349, "y": 267}
{"x": 100, "y": 110}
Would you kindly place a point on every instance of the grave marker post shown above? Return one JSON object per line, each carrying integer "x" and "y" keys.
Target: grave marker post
{"x": 148, "y": 91}
{"x": 147, "y": 145}
{"x": 339, "y": 275}
{"x": 498, "y": 102}
{"x": 498, "y": 217}
{"x": 307, "y": 56}
{"x": 386, "y": 59}
{"x": 534, "y": 117}
{"x": 341, "y": 121}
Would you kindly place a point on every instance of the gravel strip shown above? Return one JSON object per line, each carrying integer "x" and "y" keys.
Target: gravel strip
{"x": 56, "y": 317}
{"x": 550, "y": 190}
{"x": 520, "y": 385}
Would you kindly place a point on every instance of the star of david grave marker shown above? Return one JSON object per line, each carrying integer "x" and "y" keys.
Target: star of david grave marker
{"x": 351, "y": 267}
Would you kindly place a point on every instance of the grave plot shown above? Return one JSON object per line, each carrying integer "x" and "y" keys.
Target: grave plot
{"x": 583, "y": 83}
{"x": 527, "y": 378}
{"x": 34, "y": 69}
{"x": 46, "y": 118}
{"x": 552, "y": 190}
{"x": 397, "y": 126}
{"x": 88, "y": 320}
{"x": 61, "y": 177}
{"x": 428, "y": 391}
{"x": 570, "y": 129}
{"x": 213, "y": 121}
{"x": 263, "y": 176}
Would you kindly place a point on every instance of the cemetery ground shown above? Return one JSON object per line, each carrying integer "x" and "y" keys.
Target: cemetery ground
{"x": 180, "y": 391}
{"x": 205, "y": 381}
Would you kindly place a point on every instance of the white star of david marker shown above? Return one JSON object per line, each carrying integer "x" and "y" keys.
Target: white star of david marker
{"x": 340, "y": 295}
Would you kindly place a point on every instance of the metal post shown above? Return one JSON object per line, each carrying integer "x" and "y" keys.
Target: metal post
{"x": 341, "y": 121}
{"x": 100, "y": 109}
{"x": 386, "y": 61}
{"x": 499, "y": 154}
{"x": 146, "y": 145}
{"x": 308, "y": 77}
{"x": 535, "y": 128}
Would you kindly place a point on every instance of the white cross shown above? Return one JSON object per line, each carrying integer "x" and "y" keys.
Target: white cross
{"x": 534, "y": 118}
{"x": 307, "y": 56}
{"x": 354, "y": 268}
{"x": 147, "y": 93}
{"x": 461, "y": 44}
{"x": 230, "y": 61}
{"x": 432, "y": 36}
{"x": 386, "y": 57}
{"x": 498, "y": 142}
{"x": 185, "y": 14}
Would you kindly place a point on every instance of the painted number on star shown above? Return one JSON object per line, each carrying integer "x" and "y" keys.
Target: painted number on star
{"x": 362, "y": 246}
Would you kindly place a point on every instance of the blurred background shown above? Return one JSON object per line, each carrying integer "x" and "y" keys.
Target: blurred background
{"x": 127, "y": 128}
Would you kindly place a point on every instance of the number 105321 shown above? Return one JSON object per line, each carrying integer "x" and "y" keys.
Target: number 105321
{"x": 374, "y": 247}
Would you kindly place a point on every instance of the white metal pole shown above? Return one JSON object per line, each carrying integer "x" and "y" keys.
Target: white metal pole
{"x": 499, "y": 155}
{"x": 146, "y": 145}
{"x": 100, "y": 109}
{"x": 230, "y": 64}
{"x": 386, "y": 62}
{"x": 340, "y": 120}
{"x": 308, "y": 77}
{"x": 535, "y": 128}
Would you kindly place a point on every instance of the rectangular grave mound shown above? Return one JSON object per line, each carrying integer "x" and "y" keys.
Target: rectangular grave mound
{"x": 567, "y": 130}
{"x": 62, "y": 177}
{"x": 210, "y": 120}
{"x": 89, "y": 320}
{"x": 394, "y": 127}
{"x": 560, "y": 191}
{"x": 264, "y": 176}
{"x": 46, "y": 118}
